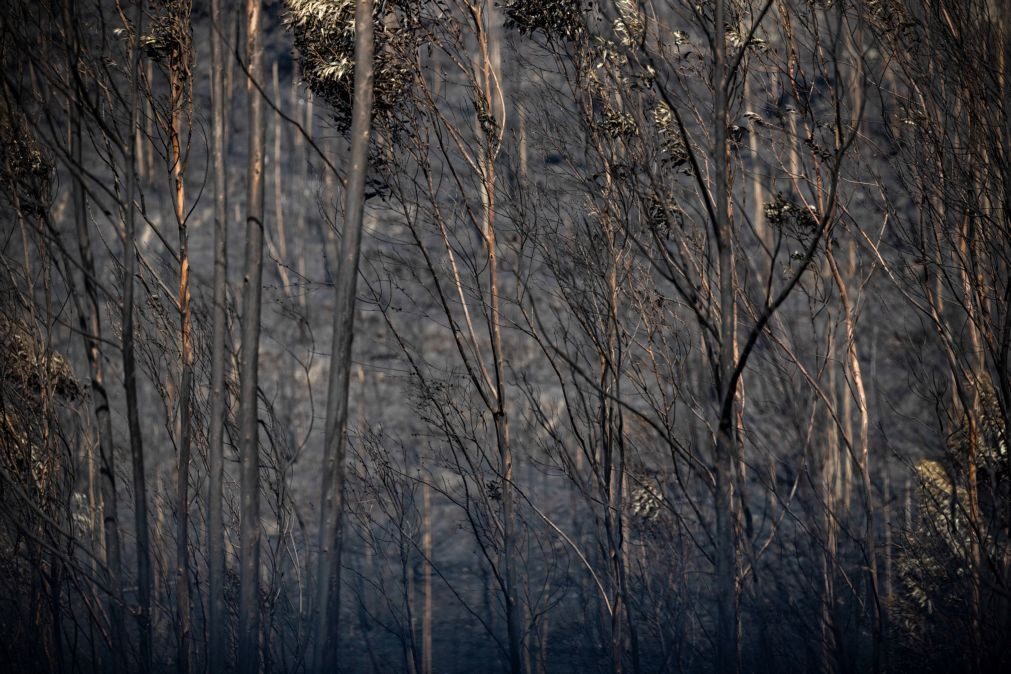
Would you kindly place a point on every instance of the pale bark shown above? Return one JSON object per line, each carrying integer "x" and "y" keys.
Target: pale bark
{"x": 278, "y": 158}
{"x": 178, "y": 103}
{"x": 862, "y": 450}
{"x": 490, "y": 78}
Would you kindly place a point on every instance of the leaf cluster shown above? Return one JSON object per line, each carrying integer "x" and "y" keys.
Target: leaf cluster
{"x": 561, "y": 20}
{"x": 170, "y": 34}
{"x": 324, "y": 34}
{"x": 25, "y": 170}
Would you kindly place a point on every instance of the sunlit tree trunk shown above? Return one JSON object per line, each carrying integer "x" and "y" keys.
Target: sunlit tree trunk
{"x": 179, "y": 69}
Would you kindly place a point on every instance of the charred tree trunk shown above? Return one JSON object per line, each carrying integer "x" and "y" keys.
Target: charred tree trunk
{"x": 177, "y": 81}
{"x": 129, "y": 361}
{"x": 726, "y": 544}
{"x": 332, "y": 498}
{"x": 249, "y": 535}
{"x": 90, "y": 320}
{"x": 426, "y": 579}
{"x": 215, "y": 524}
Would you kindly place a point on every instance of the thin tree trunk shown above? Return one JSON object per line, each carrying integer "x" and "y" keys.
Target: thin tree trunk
{"x": 142, "y": 149}
{"x": 521, "y": 130}
{"x": 542, "y": 642}
{"x": 90, "y": 321}
{"x": 232, "y": 30}
{"x": 757, "y": 182}
{"x": 502, "y": 437}
{"x": 149, "y": 126}
{"x": 412, "y": 657}
{"x": 976, "y": 370}
{"x": 159, "y": 621}
{"x": 91, "y": 331}
{"x": 249, "y": 535}
{"x": 829, "y": 469}
{"x": 282, "y": 239}
{"x": 215, "y": 525}
{"x": 178, "y": 85}
{"x": 626, "y": 562}
{"x": 426, "y": 549}
{"x": 332, "y": 499}
{"x": 863, "y": 453}
{"x": 1003, "y": 381}
{"x": 726, "y": 547}
{"x": 303, "y": 156}
{"x": 491, "y": 78}
{"x": 129, "y": 363}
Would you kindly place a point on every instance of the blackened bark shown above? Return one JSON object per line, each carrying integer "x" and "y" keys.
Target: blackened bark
{"x": 249, "y": 534}
{"x": 130, "y": 364}
{"x": 726, "y": 548}
{"x": 328, "y": 591}
{"x": 91, "y": 329}
{"x": 215, "y": 523}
